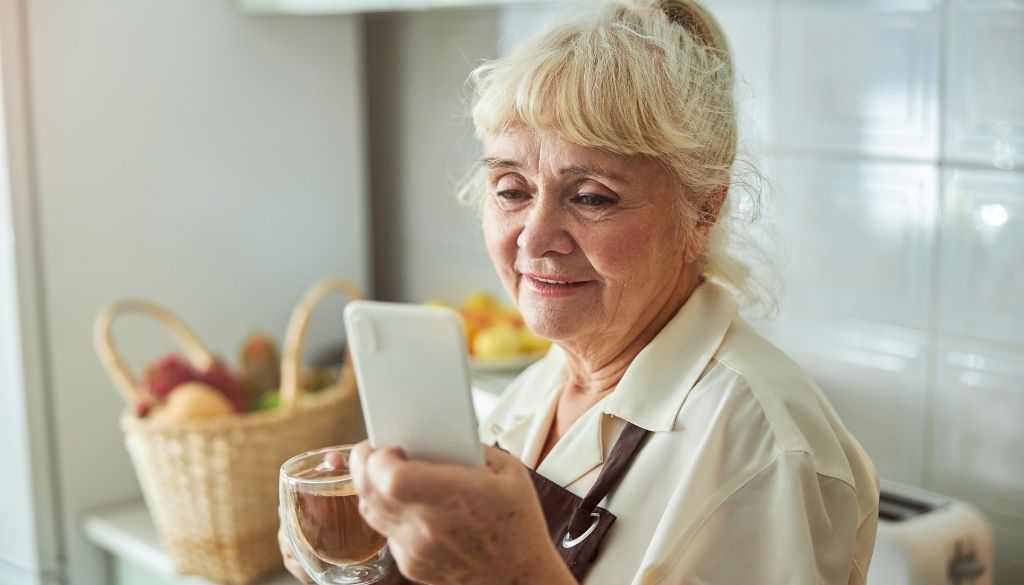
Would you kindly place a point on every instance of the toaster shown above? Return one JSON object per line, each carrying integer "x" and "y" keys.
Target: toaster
{"x": 929, "y": 539}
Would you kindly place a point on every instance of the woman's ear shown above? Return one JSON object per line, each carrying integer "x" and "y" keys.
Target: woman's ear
{"x": 711, "y": 208}
{"x": 707, "y": 215}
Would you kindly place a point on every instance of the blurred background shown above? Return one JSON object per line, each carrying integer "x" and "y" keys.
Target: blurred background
{"x": 217, "y": 156}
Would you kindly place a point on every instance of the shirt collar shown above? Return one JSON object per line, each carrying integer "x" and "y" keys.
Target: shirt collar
{"x": 522, "y": 403}
{"x": 655, "y": 385}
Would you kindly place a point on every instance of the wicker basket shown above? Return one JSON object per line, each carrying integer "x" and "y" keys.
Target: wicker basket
{"x": 211, "y": 485}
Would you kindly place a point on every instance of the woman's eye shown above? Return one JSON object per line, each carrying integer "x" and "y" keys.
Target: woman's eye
{"x": 594, "y": 201}
{"x": 510, "y": 195}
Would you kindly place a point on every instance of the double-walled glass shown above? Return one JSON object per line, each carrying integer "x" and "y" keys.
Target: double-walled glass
{"x": 320, "y": 513}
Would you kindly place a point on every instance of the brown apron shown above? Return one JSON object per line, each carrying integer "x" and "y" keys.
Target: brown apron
{"x": 578, "y": 525}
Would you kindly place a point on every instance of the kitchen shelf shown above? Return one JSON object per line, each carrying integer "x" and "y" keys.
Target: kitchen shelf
{"x": 358, "y": 6}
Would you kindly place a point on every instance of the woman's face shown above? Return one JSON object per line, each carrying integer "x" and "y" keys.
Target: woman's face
{"x": 586, "y": 242}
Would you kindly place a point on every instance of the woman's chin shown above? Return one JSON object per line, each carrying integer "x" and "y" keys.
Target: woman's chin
{"x": 549, "y": 327}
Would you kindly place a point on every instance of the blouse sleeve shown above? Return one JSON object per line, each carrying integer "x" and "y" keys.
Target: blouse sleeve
{"x": 786, "y": 524}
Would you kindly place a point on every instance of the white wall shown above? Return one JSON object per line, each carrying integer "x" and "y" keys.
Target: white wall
{"x": 191, "y": 155}
{"x": 426, "y": 245}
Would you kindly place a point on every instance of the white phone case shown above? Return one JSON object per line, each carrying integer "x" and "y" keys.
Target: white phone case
{"x": 413, "y": 380}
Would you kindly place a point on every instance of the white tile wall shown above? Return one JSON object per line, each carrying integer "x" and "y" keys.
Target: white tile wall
{"x": 985, "y": 112}
{"x": 860, "y": 235}
{"x": 979, "y": 404}
{"x": 859, "y": 77}
{"x": 909, "y": 276}
{"x": 748, "y": 26}
{"x": 982, "y": 248}
{"x": 875, "y": 376}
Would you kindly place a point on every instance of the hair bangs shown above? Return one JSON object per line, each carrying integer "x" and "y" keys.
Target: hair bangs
{"x": 600, "y": 87}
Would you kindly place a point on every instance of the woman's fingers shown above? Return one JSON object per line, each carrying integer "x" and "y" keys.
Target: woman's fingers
{"x": 297, "y": 571}
{"x": 357, "y": 461}
{"x": 335, "y": 460}
{"x": 290, "y": 562}
{"x": 282, "y": 541}
{"x": 446, "y": 519}
{"x": 386, "y": 470}
{"x": 371, "y": 470}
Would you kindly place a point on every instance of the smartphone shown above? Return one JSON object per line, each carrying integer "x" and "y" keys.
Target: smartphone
{"x": 413, "y": 380}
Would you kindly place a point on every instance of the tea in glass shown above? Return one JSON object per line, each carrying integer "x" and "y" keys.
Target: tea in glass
{"x": 320, "y": 513}
{"x": 328, "y": 520}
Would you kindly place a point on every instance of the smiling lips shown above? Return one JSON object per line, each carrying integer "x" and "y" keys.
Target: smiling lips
{"x": 553, "y": 286}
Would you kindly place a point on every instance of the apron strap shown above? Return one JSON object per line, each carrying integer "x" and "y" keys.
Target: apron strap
{"x": 618, "y": 460}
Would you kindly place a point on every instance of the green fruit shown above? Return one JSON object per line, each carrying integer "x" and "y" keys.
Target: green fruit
{"x": 268, "y": 401}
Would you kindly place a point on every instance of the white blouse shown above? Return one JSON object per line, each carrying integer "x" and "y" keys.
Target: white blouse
{"x": 747, "y": 477}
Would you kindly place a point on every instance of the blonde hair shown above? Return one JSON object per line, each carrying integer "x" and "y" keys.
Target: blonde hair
{"x": 638, "y": 78}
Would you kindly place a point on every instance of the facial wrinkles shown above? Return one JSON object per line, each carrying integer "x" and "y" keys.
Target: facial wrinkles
{"x": 627, "y": 325}
{"x": 546, "y": 179}
{"x": 624, "y": 327}
{"x": 625, "y": 318}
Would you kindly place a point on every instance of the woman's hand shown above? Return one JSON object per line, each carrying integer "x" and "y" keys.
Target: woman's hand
{"x": 290, "y": 562}
{"x": 449, "y": 524}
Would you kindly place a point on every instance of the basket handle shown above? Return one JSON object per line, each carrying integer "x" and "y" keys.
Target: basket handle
{"x": 295, "y": 336}
{"x": 126, "y": 382}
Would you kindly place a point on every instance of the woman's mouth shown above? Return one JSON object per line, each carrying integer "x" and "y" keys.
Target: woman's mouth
{"x": 553, "y": 286}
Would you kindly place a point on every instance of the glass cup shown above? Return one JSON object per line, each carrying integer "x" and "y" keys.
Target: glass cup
{"x": 320, "y": 514}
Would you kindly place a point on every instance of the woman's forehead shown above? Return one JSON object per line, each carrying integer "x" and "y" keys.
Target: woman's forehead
{"x": 531, "y": 149}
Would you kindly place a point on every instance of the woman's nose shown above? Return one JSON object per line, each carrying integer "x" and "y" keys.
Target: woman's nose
{"x": 545, "y": 232}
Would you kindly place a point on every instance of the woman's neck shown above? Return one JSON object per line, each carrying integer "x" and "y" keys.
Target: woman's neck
{"x": 592, "y": 373}
{"x": 595, "y": 365}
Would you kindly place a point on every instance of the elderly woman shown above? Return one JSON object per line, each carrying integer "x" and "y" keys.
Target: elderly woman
{"x": 661, "y": 440}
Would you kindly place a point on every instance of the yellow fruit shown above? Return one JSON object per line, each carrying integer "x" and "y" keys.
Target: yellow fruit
{"x": 497, "y": 341}
{"x": 481, "y": 301}
{"x": 530, "y": 342}
{"x": 478, "y": 320}
{"x": 473, "y": 322}
{"x": 192, "y": 401}
{"x": 513, "y": 318}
